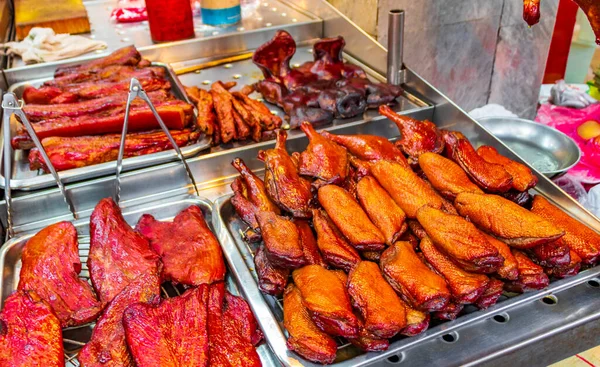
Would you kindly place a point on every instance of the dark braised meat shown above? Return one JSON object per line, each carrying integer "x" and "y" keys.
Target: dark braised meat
{"x": 369, "y": 148}
{"x": 282, "y": 241}
{"x": 531, "y": 275}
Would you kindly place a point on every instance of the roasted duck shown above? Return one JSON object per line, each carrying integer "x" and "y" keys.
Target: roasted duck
{"x": 551, "y": 254}
{"x": 189, "y": 251}
{"x": 124, "y": 56}
{"x": 282, "y": 241}
{"x": 305, "y": 338}
{"x": 489, "y": 176}
{"x": 465, "y": 287}
{"x": 325, "y": 296}
{"x": 370, "y": 148}
{"x": 172, "y": 333}
{"x": 50, "y": 267}
{"x": 336, "y": 251}
{"x": 381, "y": 209}
{"x": 581, "y": 239}
{"x": 417, "y": 322}
{"x": 31, "y": 335}
{"x": 514, "y": 225}
{"x": 460, "y": 240}
{"x": 446, "y": 176}
{"x": 380, "y": 308}
{"x": 491, "y": 294}
{"x": 412, "y": 279}
{"x": 350, "y": 218}
{"x": 323, "y": 159}
{"x": 309, "y": 243}
{"x": 284, "y": 185}
{"x": 271, "y": 280}
{"x": 450, "y": 312}
{"x": 522, "y": 177}
{"x": 117, "y": 254}
{"x": 570, "y": 269}
{"x": 365, "y": 341}
{"x": 417, "y": 137}
{"x": 207, "y": 119}
{"x": 531, "y": 276}
{"x": 81, "y": 151}
{"x": 407, "y": 189}
{"x": 107, "y": 347}
{"x": 509, "y": 270}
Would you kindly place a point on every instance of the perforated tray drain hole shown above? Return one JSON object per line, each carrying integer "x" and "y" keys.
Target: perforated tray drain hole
{"x": 594, "y": 283}
{"x": 450, "y": 337}
{"x": 395, "y": 359}
{"x": 501, "y": 318}
{"x": 550, "y": 300}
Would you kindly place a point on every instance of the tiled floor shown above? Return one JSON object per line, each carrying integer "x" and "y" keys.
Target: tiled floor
{"x": 589, "y": 358}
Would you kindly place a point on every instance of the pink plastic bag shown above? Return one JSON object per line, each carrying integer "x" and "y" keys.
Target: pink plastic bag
{"x": 567, "y": 120}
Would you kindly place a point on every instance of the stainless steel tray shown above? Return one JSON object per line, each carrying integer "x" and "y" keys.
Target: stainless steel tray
{"x": 76, "y": 337}
{"x": 25, "y": 179}
{"x": 269, "y": 309}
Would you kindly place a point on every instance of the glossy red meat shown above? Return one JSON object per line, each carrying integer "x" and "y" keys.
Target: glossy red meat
{"x": 531, "y": 275}
{"x": 271, "y": 280}
{"x": 238, "y": 314}
{"x": 107, "y": 347}
{"x": 170, "y": 334}
{"x": 336, "y": 251}
{"x": 309, "y": 243}
{"x": 369, "y": 148}
{"x": 323, "y": 159}
{"x": 124, "y": 56}
{"x": 189, "y": 251}
{"x": 118, "y": 254}
{"x": 50, "y": 267}
{"x": 30, "y": 333}
{"x": 282, "y": 241}
{"x": 491, "y": 294}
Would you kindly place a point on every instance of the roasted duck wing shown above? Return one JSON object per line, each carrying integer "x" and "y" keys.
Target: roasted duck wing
{"x": 369, "y": 148}
{"x": 377, "y": 303}
{"x": 460, "y": 240}
{"x": 118, "y": 254}
{"x": 284, "y": 185}
{"x": 531, "y": 276}
{"x": 271, "y": 280}
{"x": 336, "y": 251}
{"x": 489, "y": 176}
{"x": 189, "y": 251}
{"x": 418, "y": 137}
{"x": 582, "y": 240}
{"x": 412, "y": 279}
{"x": 50, "y": 268}
{"x": 407, "y": 189}
{"x": 325, "y": 296}
{"x": 323, "y": 159}
{"x": 446, "y": 176}
{"x": 417, "y": 322}
{"x": 522, "y": 177}
{"x": 491, "y": 294}
{"x": 31, "y": 335}
{"x": 282, "y": 241}
{"x": 350, "y": 218}
{"x": 381, "y": 209}
{"x": 509, "y": 270}
{"x": 172, "y": 333}
{"x": 305, "y": 338}
{"x": 511, "y": 223}
{"x": 107, "y": 347}
{"x": 309, "y": 243}
{"x": 465, "y": 287}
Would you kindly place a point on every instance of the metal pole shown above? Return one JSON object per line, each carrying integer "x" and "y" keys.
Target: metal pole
{"x": 395, "y": 46}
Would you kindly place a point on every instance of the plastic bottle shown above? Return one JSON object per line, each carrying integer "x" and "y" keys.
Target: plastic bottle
{"x": 220, "y": 12}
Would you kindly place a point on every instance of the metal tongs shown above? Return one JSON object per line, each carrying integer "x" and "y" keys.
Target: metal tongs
{"x": 11, "y": 106}
{"x": 135, "y": 91}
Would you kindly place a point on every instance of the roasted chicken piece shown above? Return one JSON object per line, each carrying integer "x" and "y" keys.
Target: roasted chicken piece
{"x": 417, "y": 322}
{"x": 30, "y": 334}
{"x": 450, "y": 312}
{"x": 107, "y": 347}
{"x": 460, "y": 240}
{"x": 309, "y": 243}
{"x": 489, "y": 176}
{"x": 381, "y": 209}
{"x": 285, "y": 186}
{"x": 381, "y": 310}
{"x": 491, "y": 294}
{"x": 522, "y": 177}
{"x": 417, "y": 137}
{"x": 367, "y": 342}
{"x": 509, "y": 222}
{"x": 323, "y": 159}
{"x": 551, "y": 254}
{"x": 325, "y": 296}
{"x": 250, "y": 195}
{"x": 282, "y": 241}
{"x": 350, "y": 218}
{"x": 189, "y": 251}
{"x": 531, "y": 276}
{"x": 446, "y": 176}
{"x": 271, "y": 280}
{"x": 407, "y": 189}
{"x": 305, "y": 338}
{"x": 582, "y": 240}
{"x": 336, "y": 251}
{"x": 465, "y": 287}
{"x": 412, "y": 279}
{"x": 570, "y": 269}
{"x": 172, "y": 333}
{"x": 50, "y": 267}
{"x": 370, "y": 148}
{"x": 117, "y": 254}
{"x": 509, "y": 270}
